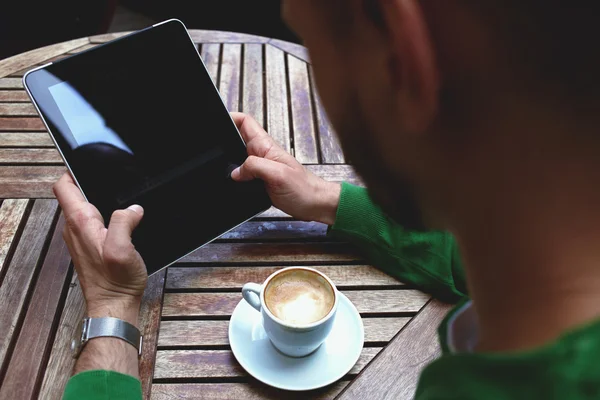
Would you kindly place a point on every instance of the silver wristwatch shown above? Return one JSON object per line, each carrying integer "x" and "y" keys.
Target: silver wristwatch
{"x": 90, "y": 328}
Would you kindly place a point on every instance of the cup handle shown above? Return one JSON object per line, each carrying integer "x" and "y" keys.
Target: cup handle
{"x": 251, "y": 293}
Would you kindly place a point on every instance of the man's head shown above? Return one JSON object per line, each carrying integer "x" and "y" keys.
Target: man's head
{"x": 444, "y": 104}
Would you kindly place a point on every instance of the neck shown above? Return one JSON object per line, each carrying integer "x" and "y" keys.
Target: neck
{"x": 532, "y": 253}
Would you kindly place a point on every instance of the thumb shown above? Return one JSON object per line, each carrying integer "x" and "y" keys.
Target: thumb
{"x": 121, "y": 226}
{"x": 255, "y": 167}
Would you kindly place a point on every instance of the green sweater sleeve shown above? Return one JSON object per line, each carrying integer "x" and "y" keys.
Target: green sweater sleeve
{"x": 103, "y": 385}
{"x": 430, "y": 261}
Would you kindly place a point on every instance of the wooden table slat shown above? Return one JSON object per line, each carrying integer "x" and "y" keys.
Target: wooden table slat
{"x": 177, "y": 305}
{"x": 281, "y": 230}
{"x": 203, "y": 36}
{"x": 36, "y": 56}
{"x": 294, "y": 49}
{"x": 331, "y": 150}
{"x": 11, "y": 218}
{"x": 278, "y": 122}
{"x": 219, "y": 363}
{"x": 61, "y": 363}
{"x": 218, "y": 277}
{"x": 33, "y": 343}
{"x": 30, "y": 156}
{"x": 250, "y": 253}
{"x": 21, "y": 124}
{"x": 17, "y": 281}
{"x": 14, "y": 95}
{"x": 305, "y": 136}
{"x": 210, "y": 55}
{"x": 395, "y": 372}
{"x": 18, "y": 109}
{"x": 239, "y": 391}
{"x": 149, "y": 326}
{"x": 252, "y": 85}
{"x": 215, "y": 333}
{"x": 25, "y": 139}
{"x": 11, "y": 83}
{"x": 229, "y": 82}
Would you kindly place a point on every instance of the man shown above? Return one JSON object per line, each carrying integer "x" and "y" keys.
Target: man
{"x": 474, "y": 117}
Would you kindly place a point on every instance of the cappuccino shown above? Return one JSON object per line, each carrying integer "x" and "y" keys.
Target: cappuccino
{"x": 299, "y": 297}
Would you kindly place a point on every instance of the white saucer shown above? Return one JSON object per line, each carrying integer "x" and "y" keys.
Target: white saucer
{"x": 336, "y": 356}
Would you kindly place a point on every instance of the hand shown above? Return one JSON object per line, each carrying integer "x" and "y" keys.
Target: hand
{"x": 111, "y": 272}
{"x": 292, "y": 188}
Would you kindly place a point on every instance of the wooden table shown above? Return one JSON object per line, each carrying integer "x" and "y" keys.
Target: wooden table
{"x": 186, "y": 308}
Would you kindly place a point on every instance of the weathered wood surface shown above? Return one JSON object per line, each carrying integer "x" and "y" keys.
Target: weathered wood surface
{"x": 61, "y": 363}
{"x": 22, "y": 124}
{"x": 219, "y": 363}
{"x": 369, "y": 302}
{"x": 149, "y": 326}
{"x": 207, "y": 333}
{"x": 30, "y": 156}
{"x": 210, "y": 55}
{"x": 278, "y": 120}
{"x": 14, "y": 96}
{"x": 37, "y": 56}
{"x": 33, "y": 344}
{"x": 19, "y": 273}
{"x": 220, "y": 277}
{"x": 229, "y": 83}
{"x": 394, "y": 373}
{"x": 17, "y": 109}
{"x": 305, "y": 134}
{"x": 252, "y": 86}
{"x": 247, "y": 391}
{"x": 11, "y": 217}
{"x": 273, "y": 253}
{"x": 25, "y": 139}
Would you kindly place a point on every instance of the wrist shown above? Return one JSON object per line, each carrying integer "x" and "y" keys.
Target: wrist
{"x": 327, "y": 201}
{"x": 126, "y": 309}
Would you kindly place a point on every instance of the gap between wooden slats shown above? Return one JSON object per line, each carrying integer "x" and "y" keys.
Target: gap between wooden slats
{"x": 21, "y": 273}
{"x": 303, "y": 127}
{"x": 216, "y": 277}
{"x": 239, "y": 391}
{"x": 367, "y": 302}
{"x": 35, "y": 340}
{"x": 206, "y": 334}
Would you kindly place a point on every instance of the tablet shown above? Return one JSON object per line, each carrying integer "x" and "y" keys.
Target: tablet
{"x": 139, "y": 121}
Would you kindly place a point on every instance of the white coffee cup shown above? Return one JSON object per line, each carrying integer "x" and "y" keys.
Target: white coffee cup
{"x": 293, "y": 339}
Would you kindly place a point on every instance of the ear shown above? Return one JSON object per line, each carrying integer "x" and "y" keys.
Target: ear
{"x": 412, "y": 63}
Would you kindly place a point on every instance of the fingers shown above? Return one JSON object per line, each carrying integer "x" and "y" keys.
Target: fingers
{"x": 254, "y": 167}
{"x": 121, "y": 226}
{"x": 248, "y": 127}
{"x": 68, "y": 194}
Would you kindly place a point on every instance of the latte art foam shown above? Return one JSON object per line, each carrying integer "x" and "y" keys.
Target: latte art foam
{"x": 299, "y": 297}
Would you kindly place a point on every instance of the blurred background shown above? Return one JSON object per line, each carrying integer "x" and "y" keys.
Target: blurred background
{"x": 29, "y": 24}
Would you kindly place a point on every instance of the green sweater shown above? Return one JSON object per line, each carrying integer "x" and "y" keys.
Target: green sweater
{"x": 565, "y": 369}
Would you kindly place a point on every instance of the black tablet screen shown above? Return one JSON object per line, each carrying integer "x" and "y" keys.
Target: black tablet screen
{"x": 139, "y": 121}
